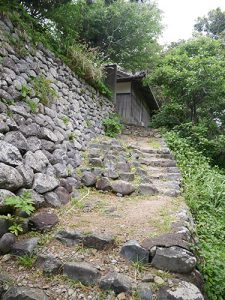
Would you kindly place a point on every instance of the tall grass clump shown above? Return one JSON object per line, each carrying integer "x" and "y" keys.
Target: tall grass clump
{"x": 204, "y": 191}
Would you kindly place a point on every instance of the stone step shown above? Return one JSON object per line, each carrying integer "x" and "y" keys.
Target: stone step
{"x": 158, "y": 162}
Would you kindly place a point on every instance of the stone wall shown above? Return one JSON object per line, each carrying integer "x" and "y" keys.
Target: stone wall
{"x": 39, "y": 148}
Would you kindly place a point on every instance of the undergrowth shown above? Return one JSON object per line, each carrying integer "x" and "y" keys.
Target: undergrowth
{"x": 204, "y": 191}
{"x": 79, "y": 57}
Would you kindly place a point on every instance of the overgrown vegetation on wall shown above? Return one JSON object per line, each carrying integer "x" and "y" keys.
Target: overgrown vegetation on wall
{"x": 83, "y": 60}
{"x": 205, "y": 194}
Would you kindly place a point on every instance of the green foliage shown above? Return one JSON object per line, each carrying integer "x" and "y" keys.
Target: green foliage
{"x": 66, "y": 120}
{"x": 32, "y": 105}
{"x": 81, "y": 59}
{"x": 25, "y": 91}
{"x": 124, "y": 32}
{"x": 43, "y": 89}
{"x": 71, "y": 136}
{"x": 213, "y": 24}
{"x": 26, "y": 260}
{"x": 204, "y": 190}
{"x": 112, "y": 125}
{"x": 16, "y": 229}
{"x": 23, "y": 202}
{"x": 193, "y": 76}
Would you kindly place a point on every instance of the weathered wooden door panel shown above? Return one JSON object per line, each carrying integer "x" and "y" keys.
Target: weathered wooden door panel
{"x": 123, "y": 107}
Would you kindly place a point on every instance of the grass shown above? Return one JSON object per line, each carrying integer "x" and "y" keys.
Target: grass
{"x": 204, "y": 191}
{"x": 26, "y": 261}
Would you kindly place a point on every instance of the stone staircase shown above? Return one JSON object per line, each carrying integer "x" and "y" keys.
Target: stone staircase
{"x": 95, "y": 251}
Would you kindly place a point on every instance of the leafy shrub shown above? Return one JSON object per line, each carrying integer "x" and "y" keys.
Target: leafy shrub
{"x": 22, "y": 203}
{"x": 43, "y": 89}
{"x": 112, "y": 125}
{"x": 204, "y": 190}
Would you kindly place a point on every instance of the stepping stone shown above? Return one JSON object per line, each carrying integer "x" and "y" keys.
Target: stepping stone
{"x": 98, "y": 241}
{"x": 174, "y": 259}
{"x": 119, "y": 283}
{"x": 147, "y": 189}
{"x": 82, "y": 271}
{"x": 134, "y": 252}
{"x": 123, "y": 167}
{"x": 24, "y": 293}
{"x": 181, "y": 290}
{"x": 122, "y": 187}
{"x": 43, "y": 221}
{"x": 24, "y": 247}
{"x": 69, "y": 237}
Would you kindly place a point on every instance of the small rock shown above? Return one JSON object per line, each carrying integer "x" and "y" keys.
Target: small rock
{"x": 6, "y": 242}
{"x": 10, "y": 178}
{"x": 88, "y": 179}
{"x": 17, "y": 139}
{"x": 44, "y": 183}
{"x": 22, "y": 293}
{"x": 144, "y": 291}
{"x": 127, "y": 176}
{"x": 158, "y": 280}
{"x": 174, "y": 259}
{"x": 49, "y": 264}
{"x": 24, "y": 247}
{"x": 69, "y": 237}
{"x": 147, "y": 189}
{"x": 134, "y": 252}
{"x": 9, "y": 154}
{"x": 96, "y": 162}
{"x": 117, "y": 282}
{"x": 36, "y": 161}
{"x": 148, "y": 278}
{"x": 98, "y": 241}
{"x": 82, "y": 271}
{"x": 103, "y": 184}
{"x": 27, "y": 175}
{"x": 181, "y": 290}
{"x": 4, "y": 209}
{"x": 43, "y": 221}
{"x": 122, "y": 187}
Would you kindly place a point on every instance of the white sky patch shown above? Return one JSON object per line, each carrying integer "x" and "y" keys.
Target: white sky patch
{"x": 180, "y": 16}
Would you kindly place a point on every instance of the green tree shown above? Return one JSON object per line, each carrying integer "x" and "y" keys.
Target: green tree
{"x": 193, "y": 75}
{"x": 124, "y": 32}
{"x": 213, "y": 24}
{"x": 40, "y": 8}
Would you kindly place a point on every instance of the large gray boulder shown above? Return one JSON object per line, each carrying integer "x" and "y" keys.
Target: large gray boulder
{"x": 6, "y": 242}
{"x": 36, "y": 161}
{"x": 9, "y": 154}
{"x": 134, "y": 252}
{"x": 82, "y": 271}
{"x": 44, "y": 183}
{"x": 4, "y": 226}
{"x": 103, "y": 184}
{"x": 122, "y": 187}
{"x": 24, "y": 293}
{"x": 10, "y": 178}
{"x": 174, "y": 259}
{"x": 89, "y": 179}
{"x": 119, "y": 283}
{"x": 25, "y": 247}
{"x": 17, "y": 139}
{"x": 43, "y": 221}
{"x": 181, "y": 290}
{"x": 27, "y": 175}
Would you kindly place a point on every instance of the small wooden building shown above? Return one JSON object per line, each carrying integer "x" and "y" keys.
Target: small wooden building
{"x": 134, "y": 102}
